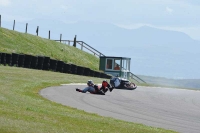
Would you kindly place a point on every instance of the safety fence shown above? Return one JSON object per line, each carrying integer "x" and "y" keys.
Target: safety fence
{"x": 46, "y": 63}
{"x": 136, "y": 78}
{"x": 80, "y": 44}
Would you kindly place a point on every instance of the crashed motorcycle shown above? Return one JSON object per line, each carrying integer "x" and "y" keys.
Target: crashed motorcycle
{"x": 121, "y": 83}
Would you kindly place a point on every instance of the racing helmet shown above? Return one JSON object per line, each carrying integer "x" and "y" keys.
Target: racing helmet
{"x": 89, "y": 83}
{"x": 105, "y": 83}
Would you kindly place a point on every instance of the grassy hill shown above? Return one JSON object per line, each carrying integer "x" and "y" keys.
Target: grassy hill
{"x": 16, "y": 42}
{"x": 24, "y": 110}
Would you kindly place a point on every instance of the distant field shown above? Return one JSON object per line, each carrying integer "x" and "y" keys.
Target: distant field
{"x": 177, "y": 83}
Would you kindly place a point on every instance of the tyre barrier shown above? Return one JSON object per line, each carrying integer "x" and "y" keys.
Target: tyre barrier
{"x": 80, "y": 70}
{"x": 21, "y": 60}
{"x": 27, "y": 61}
{"x": 73, "y": 69}
{"x": 0, "y": 58}
{"x": 108, "y": 76}
{"x": 46, "y": 63}
{"x": 3, "y": 56}
{"x": 8, "y": 59}
{"x": 40, "y": 62}
{"x": 100, "y": 73}
{"x": 15, "y": 58}
{"x": 92, "y": 73}
{"x": 103, "y": 75}
{"x": 53, "y": 65}
{"x": 97, "y": 74}
{"x": 60, "y": 65}
{"x": 67, "y": 68}
{"x": 34, "y": 62}
{"x": 86, "y": 71}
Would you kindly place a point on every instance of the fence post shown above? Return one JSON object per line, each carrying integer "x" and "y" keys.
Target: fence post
{"x": 82, "y": 46}
{"x": 14, "y": 25}
{"x": 49, "y": 34}
{"x": 74, "y": 41}
{"x": 60, "y": 37}
{"x": 0, "y": 20}
{"x": 37, "y": 30}
{"x": 26, "y": 27}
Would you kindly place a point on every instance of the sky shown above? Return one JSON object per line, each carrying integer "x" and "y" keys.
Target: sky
{"x": 178, "y": 15}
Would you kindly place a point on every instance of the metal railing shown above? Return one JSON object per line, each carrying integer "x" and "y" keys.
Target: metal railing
{"x": 82, "y": 45}
{"x": 136, "y": 78}
{"x": 95, "y": 52}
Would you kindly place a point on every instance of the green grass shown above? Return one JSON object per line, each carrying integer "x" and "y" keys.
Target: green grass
{"x": 23, "y": 110}
{"x": 16, "y": 42}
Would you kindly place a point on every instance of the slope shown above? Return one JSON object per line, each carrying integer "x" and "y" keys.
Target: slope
{"x": 16, "y": 42}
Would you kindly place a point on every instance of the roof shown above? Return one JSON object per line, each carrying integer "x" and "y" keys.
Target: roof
{"x": 115, "y": 57}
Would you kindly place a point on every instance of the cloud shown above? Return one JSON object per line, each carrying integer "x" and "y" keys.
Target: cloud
{"x": 192, "y": 2}
{"x": 169, "y": 10}
{"x": 5, "y": 2}
{"x": 122, "y": 12}
{"x": 64, "y": 7}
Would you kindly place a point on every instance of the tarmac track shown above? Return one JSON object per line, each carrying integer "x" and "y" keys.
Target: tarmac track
{"x": 169, "y": 108}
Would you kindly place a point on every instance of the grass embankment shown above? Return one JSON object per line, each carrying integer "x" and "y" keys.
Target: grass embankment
{"x": 23, "y": 110}
{"x": 16, "y": 42}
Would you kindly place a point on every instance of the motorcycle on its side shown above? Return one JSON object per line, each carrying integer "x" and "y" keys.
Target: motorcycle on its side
{"x": 121, "y": 83}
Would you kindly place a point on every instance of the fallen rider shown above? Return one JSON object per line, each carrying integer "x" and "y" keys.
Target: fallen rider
{"x": 95, "y": 89}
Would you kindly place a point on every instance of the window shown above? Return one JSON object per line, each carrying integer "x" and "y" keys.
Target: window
{"x": 125, "y": 64}
{"x": 109, "y": 63}
{"x": 117, "y": 65}
{"x": 113, "y": 64}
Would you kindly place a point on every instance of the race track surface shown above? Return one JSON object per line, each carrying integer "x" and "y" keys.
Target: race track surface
{"x": 175, "y": 109}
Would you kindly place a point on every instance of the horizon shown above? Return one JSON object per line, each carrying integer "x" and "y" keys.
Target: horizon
{"x": 20, "y": 26}
{"x": 166, "y": 14}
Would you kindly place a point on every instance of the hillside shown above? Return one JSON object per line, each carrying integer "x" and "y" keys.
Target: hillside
{"x": 12, "y": 41}
{"x": 154, "y": 52}
{"x": 16, "y": 42}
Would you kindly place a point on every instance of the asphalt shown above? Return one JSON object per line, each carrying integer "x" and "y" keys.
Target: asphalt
{"x": 168, "y": 108}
